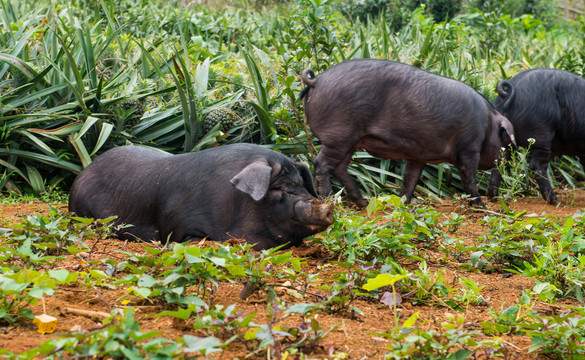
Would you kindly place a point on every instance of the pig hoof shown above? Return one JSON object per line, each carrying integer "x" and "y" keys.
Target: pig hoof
{"x": 361, "y": 203}
{"x": 491, "y": 194}
{"x": 476, "y": 202}
{"x": 493, "y": 198}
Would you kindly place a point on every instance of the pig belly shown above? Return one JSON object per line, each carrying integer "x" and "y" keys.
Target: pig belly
{"x": 401, "y": 148}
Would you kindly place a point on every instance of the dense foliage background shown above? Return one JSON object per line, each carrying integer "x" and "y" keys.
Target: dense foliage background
{"x": 79, "y": 77}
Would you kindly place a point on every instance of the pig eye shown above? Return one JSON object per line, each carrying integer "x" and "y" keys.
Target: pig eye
{"x": 276, "y": 194}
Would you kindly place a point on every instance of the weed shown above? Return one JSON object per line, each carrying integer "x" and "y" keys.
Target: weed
{"x": 394, "y": 232}
{"x": 20, "y": 289}
{"x": 559, "y": 336}
{"x": 514, "y": 169}
{"x": 119, "y": 338}
{"x": 41, "y": 238}
{"x": 453, "y": 342}
{"x": 345, "y": 289}
{"x": 429, "y": 288}
{"x": 469, "y": 293}
{"x": 512, "y": 320}
{"x": 282, "y": 340}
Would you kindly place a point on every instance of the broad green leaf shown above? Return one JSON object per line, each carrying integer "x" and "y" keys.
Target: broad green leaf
{"x": 382, "y": 280}
{"x": 303, "y": 308}
{"x": 40, "y": 291}
{"x": 236, "y": 270}
{"x": 218, "y": 261}
{"x": 63, "y": 276}
{"x": 201, "y": 78}
{"x": 98, "y": 274}
{"x": 460, "y": 354}
{"x": 181, "y": 313}
{"x": 409, "y": 323}
{"x": 141, "y": 291}
{"x": 147, "y": 281}
{"x": 205, "y": 345}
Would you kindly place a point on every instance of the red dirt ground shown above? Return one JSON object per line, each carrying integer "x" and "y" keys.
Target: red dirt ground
{"x": 353, "y": 336}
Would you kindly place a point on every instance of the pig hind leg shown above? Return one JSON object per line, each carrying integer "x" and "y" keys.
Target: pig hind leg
{"x": 494, "y": 184}
{"x": 330, "y": 161}
{"x": 412, "y": 171}
{"x": 467, "y": 165}
{"x": 496, "y": 178}
{"x": 539, "y": 160}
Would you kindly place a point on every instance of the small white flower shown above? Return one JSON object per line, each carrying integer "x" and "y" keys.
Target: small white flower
{"x": 531, "y": 141}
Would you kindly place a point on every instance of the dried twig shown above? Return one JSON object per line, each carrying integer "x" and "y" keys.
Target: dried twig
{"x": 98, "y": 315}
{"x": 99, "y": 296}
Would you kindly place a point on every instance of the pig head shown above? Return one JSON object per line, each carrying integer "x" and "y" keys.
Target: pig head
{"x": 396, "y": 111}
{"x": 233, "y": 191}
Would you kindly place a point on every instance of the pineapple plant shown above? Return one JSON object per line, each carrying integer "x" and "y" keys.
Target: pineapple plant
{"x": 19, "y": 78}
{"x": 224, "y": 116}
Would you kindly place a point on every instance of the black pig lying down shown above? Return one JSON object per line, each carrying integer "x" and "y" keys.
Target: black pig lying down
{"x": 232, "y": 191}
{"x": 396, "y": 111}
{"x": 548, "y": 106}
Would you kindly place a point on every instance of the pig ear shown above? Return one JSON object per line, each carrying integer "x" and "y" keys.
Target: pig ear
{"x": 307, "y": 179}
{"x": 506, "y": 131}
{"x": 254, "y": 180}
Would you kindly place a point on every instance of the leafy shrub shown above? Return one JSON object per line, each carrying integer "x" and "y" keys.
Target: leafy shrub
{"x": 517, "y": 178}
{"x": 395, "y": 12}
{"x": 398, "y": 12}
{"x": 542, "y": 9}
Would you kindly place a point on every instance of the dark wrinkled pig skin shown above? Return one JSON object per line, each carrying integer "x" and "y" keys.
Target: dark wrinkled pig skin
{"x": 397, "y": 111}
{"x": 233, "y": 191}
{"x": 547, "y": 105}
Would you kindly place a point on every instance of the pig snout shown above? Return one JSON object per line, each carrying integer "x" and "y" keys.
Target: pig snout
{"x": 314, "y": 213}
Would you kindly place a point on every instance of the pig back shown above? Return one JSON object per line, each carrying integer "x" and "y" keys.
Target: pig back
{"x": 110, "y": 184}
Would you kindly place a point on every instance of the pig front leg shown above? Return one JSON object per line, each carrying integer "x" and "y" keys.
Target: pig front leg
{"x": 148, "y": 232}
{"x": 331, "y": 161}
{"x": 539, "y": 160}
{"x": 412, "y": 171}
{"x": 323, "y": 168}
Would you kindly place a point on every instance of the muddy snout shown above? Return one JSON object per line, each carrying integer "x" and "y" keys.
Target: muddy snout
{"x": 315, "y": 212}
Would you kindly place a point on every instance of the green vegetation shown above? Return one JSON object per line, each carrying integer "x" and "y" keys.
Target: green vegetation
{"x": 80, "y": 77}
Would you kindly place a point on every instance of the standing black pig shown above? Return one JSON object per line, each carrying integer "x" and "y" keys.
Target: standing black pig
{"x": 396, "y": 111}
{"x": 547, "y": 105}
{"x": 232, "y": 191}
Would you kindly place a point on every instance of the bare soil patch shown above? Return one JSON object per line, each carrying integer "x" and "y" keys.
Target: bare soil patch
{"x": 355, "y": 336}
